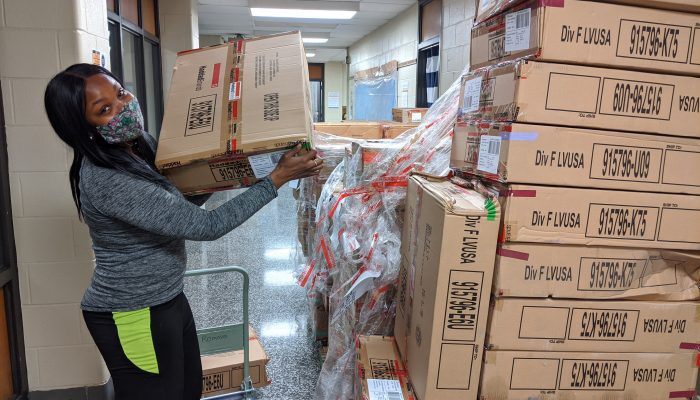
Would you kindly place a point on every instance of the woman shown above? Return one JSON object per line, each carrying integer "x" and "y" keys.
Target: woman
{"x": 134, "y": 307}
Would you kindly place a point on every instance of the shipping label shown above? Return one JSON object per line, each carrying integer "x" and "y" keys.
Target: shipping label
{"x": 462, "y": 305}
{"x": 384, "y": 389}
{"x": 263, "y": 164}
{"x": 636, "y": 99}
{"x": 604, "y": 375}
{"x": 517, "y": 30}
{"x": 603, "y": 325}
{"x": 472, "y": 94}
{"x": 231, "y": 170}
{"x": 616, "y": 221}
{"x": 626, "y": 163}
{"x": 489, "y": 154}
{"x": 654, "y": 41}
{"x": 610, "y": 274}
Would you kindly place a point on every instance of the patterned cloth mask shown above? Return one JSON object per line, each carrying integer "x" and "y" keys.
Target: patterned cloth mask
{"x": 125, "y": 126}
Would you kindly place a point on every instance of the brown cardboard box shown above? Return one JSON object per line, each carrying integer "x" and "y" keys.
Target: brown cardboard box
{"x": 489, "y": 8}
{"x": 561, "y": 156}
{"x": 408, "y": 115}
{"x": 547, "y": 214}
{"x": 588, "y": 97}
{"x": 526, "y": 375}
{"x": 223, "y": 372}
{"x": 373, "y": 152}
{"x": 448, "y": 275}
{"x": 227, "y": 172}
{"x": 393, "y": 130}
{"x": 237, "y": 98}
{"x": 380, "y": 372}
{"x": 352, "y": 129}
{"x": 583, "y": 32}
{"x": 591, "y": 325}
{"x": 594, "y": 272}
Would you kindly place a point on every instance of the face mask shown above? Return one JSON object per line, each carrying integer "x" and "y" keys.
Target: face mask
{"x": 125, "y": 126}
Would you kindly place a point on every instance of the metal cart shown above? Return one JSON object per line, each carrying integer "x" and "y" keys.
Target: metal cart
{"x": 235, "y": 337}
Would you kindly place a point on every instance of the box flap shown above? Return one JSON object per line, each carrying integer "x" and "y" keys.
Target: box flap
{"x": 458, "y": 200}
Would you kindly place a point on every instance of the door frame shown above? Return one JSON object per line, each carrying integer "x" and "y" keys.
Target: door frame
{"x": 9, "y": 276}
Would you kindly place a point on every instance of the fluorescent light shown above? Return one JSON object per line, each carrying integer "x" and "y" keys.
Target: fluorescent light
{"x": 314, "y": 40}
{"x": 279, "y": 329}
{"x": 309, "y": 55}
{"x": 300, "y": 13}
{"x": 283, "y": 253}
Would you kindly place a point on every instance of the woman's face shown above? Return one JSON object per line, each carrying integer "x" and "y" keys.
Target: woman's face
{"x": 104, "y": 99}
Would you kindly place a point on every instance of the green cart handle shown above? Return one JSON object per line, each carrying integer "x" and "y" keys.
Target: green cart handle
{"x": 246, "y": 386}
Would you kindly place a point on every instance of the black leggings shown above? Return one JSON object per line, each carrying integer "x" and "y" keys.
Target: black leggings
{"x": 150, "y": 361}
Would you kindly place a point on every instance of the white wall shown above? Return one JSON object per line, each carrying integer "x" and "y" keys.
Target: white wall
{"x": 334, "y": 74}
{"x": 395, "y": 40}
{"x": 38, "y": 38}
{"x": 457, "y": 20}
{"x": 179, "y": 30}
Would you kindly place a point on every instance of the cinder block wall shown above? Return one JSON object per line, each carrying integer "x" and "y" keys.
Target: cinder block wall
{"x": 395, "y": 40}
{"x": 457, "y": 20}
{"x": 37, "y": 39}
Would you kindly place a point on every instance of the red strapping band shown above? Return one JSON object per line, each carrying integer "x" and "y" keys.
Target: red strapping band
{"x": 518, "y": 255}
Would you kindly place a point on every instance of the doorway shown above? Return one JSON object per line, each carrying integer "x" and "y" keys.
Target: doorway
{"x": 316, "y": 76}
{"x": 13, "y": 367}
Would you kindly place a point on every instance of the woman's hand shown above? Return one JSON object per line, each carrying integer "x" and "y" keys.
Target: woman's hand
{"x": 295, "y": 165}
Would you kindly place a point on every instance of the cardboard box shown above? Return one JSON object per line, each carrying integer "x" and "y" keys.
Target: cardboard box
{"x": 223, "y": 372}
{"x": 393, "y": 130}
{"x": 372, "y": 153}
{"x": 583, "y": 32}
{"x": 594, "y": 272}
{"x": 380, "y": 374}
{"x": 408, "y": 115}
{"x": 238, "y": 98}
{"x": 352, "y": 129}
{"x": 448, "y": 275}
{"x": 573, "y": 95}
{"x": 546, "y": 214}
{"x": 561, "y": 156}
{"x": 591, "y": 325}
{"x": 228, "y": 172}
{"x": 526, "y": 375}
{"x": 488, "y": 8}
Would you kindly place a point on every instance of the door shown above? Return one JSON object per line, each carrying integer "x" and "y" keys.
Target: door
{"x": 13, "y": 367}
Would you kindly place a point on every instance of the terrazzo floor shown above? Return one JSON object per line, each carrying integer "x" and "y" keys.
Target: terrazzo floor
{"x": 264, "y": 245}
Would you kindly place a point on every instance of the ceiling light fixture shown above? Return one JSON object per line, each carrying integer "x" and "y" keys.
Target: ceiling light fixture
{"x": 309, "y": 55}
{"x": 314, "y": 40}
{"x": 300, "y": 13}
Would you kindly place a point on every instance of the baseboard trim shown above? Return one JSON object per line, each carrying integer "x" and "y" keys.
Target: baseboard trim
{"x": 102, "y": 392}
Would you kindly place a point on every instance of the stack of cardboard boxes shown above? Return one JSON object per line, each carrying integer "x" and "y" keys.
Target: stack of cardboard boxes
{"x": 232, "y": 111}
{"x": 592, "y": 141}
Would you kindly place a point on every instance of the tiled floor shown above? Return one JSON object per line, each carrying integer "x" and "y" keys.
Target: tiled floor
{"x": 279, "y": 313}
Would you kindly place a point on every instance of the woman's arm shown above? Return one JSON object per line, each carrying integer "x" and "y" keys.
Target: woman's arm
{"x": 151, "y": 207}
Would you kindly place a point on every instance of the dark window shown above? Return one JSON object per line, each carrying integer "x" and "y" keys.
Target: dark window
{"x": 428, "y": 60}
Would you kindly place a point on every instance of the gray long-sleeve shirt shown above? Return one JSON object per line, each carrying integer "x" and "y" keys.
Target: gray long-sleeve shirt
{"x": 138, "y": 230}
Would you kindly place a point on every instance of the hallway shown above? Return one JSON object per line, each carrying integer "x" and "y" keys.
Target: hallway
{"x": 279, "y": 313}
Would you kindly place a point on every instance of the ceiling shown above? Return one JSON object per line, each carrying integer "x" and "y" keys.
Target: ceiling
{"x": 229, "y": 17}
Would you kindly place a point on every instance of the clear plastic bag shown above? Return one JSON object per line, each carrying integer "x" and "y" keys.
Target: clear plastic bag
{"x": 354, "y": 250}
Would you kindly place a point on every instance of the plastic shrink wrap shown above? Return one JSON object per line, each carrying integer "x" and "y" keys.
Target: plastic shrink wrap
{"x": 351, "y": 248}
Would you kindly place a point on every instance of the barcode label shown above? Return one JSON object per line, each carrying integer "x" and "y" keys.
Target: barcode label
{"x": 263, "y": 164}
{"x": 394, "y": 395}
{"x": 517, "y": 30}
{"x": 416, "y": 116}
{"x": 384, "y": 389}
{"x": 472, "y": 94}
{"x": 200, "y": 115}
{"x": 489, "y": 154}
{"x": 271, "y": 107}
{"x": 522, "y": 20}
